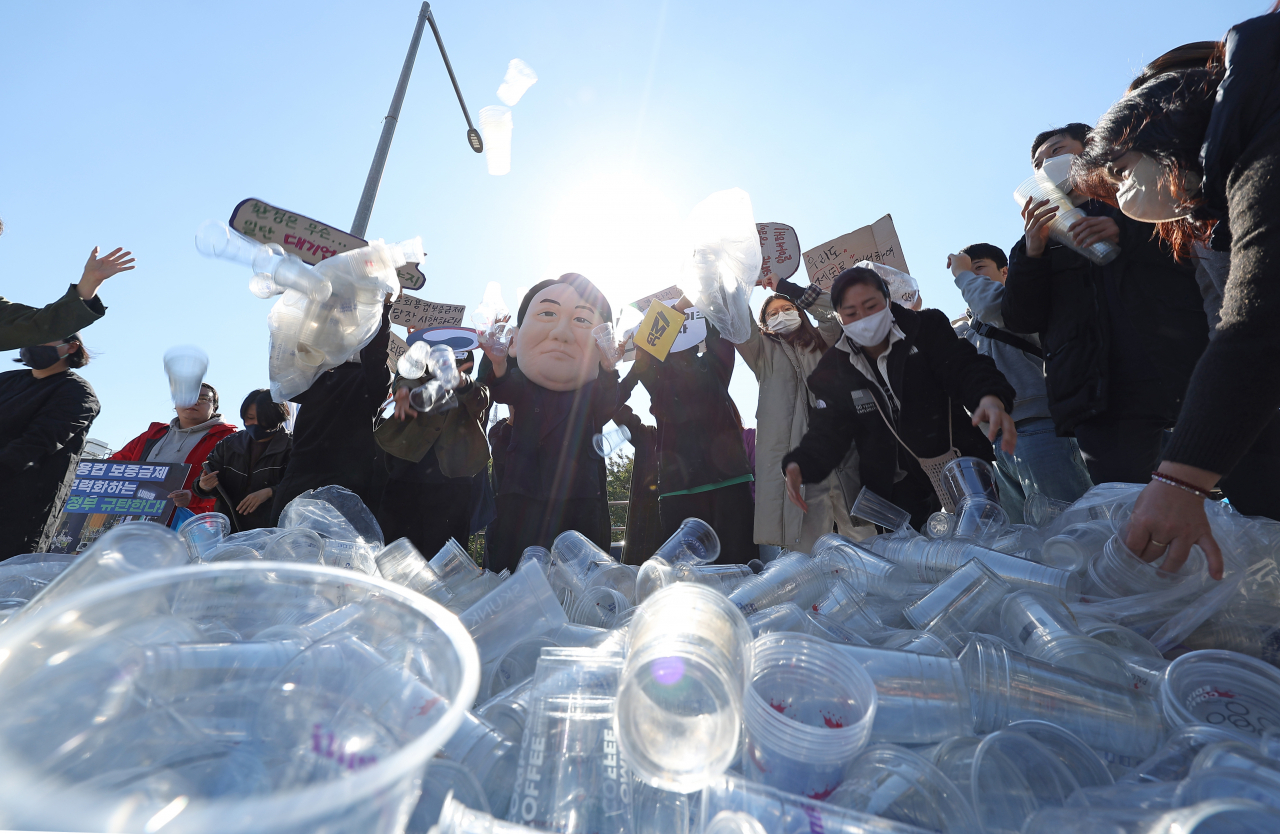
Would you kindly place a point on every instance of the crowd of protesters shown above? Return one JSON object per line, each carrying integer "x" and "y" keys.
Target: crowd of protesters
{"x": 1160, "y": 366}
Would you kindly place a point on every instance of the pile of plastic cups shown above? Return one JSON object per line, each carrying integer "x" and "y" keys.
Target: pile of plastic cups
{"x": 982, "y": 677}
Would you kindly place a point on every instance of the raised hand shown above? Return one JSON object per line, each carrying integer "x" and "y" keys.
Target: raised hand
{"x": 97, "y": 270}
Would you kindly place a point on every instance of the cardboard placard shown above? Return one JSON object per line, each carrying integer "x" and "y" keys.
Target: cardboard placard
{"x": 877, "y": 242}
{"x": 311, "y": 240}
{"x": 693, "y": 333}
{"x": 780, "y": 249}
{"x": 395, "y": 349}
{"x": 417, "y": 313}
{"x": 659, "y": 329}
{"x": 106, "y": 493}
{"x": 671, "y": 293}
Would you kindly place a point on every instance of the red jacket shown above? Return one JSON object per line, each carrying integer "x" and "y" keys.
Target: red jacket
{"x": 138, "y": 448}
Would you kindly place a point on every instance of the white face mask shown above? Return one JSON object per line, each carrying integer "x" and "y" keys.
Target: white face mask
{"x": 1147, "y": 196}
{"x": 784, "y": 321}
{"x": 1058, "y": 170}
{"x": 870, "y": 330}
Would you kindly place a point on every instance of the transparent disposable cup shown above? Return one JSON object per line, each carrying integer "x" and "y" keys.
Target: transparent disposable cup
{"x": 491, "y": 757}
{"x": 1173, "y": 761}
{"x": 443, "y": 365}
{"x": 1028, "y": 618}
{"x": 694, "y": 541}
{"x": 600, "y": 607}
{"x": 508, "y": 711}
{"x": 603, "y": 334}
{"x": 933, "y": 560}
{"x": 1075, "y": 546}
{"x": 1141, "y": 660}
{"x": 920, "y": 699}
{"x": 520, "y": 661}
{"x": 941, "y": 525}
{"x": 1237, "y": 754}
{"x": 474, "y": 591}
{"x": 1228, "y": 783}
{"x": 497, "y": 339}
{"x": 1040, "y": 510}
{"x": 849, "y": 608}
{"x": 656, "y": 811}
{"x": 1006, "y": 686}
{"x": 1084, "y": 764}
{"x": 524, "y": 606}
{"x": 779, "y": 812}
{"x": 1116, "y": 572}
{"x": 443, "y": 781}
{"x": 332, "y": 765}
{"x": 919, "y": 642}
{"x": 653, "y": 576}
{"x": 458, "y": 818}
{"x": 980, "y": 519}
{"x": 1240, "y": 694}
{"x": 578, "y": 554}
{"x": 832, "y": 631}
{"x": 1036, "y": 188}
{"x": 1219, "y": 816}
{"x": 534, "y": 553}
{"x": 961, "y": 602}
{"x": 202, "y": 533}
{"x": 784, "y": 617}
{"x": 791, "y": 578}
{"x": 433, "y": 397}
{"x": 401, "y": 563}
{"x": 620, "y": 578}
{"x": 897, "y": 784}
{"x": 1086, "y": 655}
{"x": 861, "y": 568}
{"x": 496, "y": 126}
{"x": 412, "y": 364}
{"x": 123, "y": 551}
{"x": 680, "y": 699}
{"x": 571, "y": 775}
{"x": 185, "y": 365}
{"x": 1008, "y": 775}
{"x": 606, "y": 443}
{"x": 1135, "y": 796}
{"x": 454, "y": 565}
{"x": 969, "y": 476}
{"x": 733, "y": 822}
{"x": 725, "y": 578}
{"x": 807, "y": 711}
{"x": 519, "y": 78}
{"x": 297, "y": 545}
{"x": 880, "y": 511}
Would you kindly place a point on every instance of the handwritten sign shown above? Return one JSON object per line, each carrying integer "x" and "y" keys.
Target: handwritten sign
{"x": 671, "y": 293}
{"x": 781, "y": 251}
{"x": 395, "y": 349}
{"x": 877, "y": 242}
{"x": 417, "y": 313}
{"x": 659, "y": 329}
{"x": 311, "y": 240}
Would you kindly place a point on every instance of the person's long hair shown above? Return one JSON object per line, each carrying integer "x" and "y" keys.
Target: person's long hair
{"x": 1165, "y": 119}
{"x": 804, "y": 337}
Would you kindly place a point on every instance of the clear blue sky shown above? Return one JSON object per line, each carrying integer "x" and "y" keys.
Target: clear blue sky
{"x": 131, "y": 123}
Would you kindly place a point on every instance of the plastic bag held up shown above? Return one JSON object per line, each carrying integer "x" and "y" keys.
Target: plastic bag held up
{"x": 326, "y": 313}
{"x": 726, "y": 260}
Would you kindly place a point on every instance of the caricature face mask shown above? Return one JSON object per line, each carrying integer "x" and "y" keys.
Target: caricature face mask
{"x": 554, "y": 345}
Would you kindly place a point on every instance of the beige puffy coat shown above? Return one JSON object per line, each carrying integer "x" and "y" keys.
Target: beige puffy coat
{"x": 782, "y": 416}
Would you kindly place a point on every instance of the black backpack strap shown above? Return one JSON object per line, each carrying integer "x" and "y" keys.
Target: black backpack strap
{"x": 992, "y": 332}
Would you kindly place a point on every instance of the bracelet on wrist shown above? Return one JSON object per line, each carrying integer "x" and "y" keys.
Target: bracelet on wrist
{"x": 1180, "y": 484}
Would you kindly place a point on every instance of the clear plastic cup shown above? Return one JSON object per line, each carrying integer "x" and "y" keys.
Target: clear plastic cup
{"x": 1237, "y": 754}
{"x": 861, "y": 568}
{"x": 1008, "y": 775}
{"x": 185, "y": 365}
{"x": 1141, "y": 660}
{"x": 1006, "y": 686}
{"x": 578, "y": 554}
{"x": 940, "y": 525}
{"x": 600, "y": 607}
{"x": 524, "y": 606}
{"x": 508, "y": 711}
{"x": 1040, "y": 510}
{"x": 456, "y": 817}
{"x": 779, "y": 812}
{"x": 920, "y": 699}
{"x": 1116, "y": 572}
{"x": 297, "y": 545}
{"x": 653, "y": 576}
{"x": 725, "y": 578}
{"x": 496, "y": 126}
{"x": 980, "y": 519}
{"x": 1228, "y": 783}
{"x": 694, "y": 541}
{"x": 933, "y": 560}
{"x": 606, "y": 443}
{"x": 123, "y": 551}
{"x": 1084, "y": 764}
{"x": 401, "y": 563}
{"x": 571, "y": 776}
{"x": 849, "y": 608}
{"x": 807, "y": 711}
{"x": 1240, "y": 694}
{"x": 961, "y": 602}
{"x": 897, "y": 784}
{"x": 680, "y": 700}
{"x": 454, "y": 565}
{"x": 919, "y": 642}
{"x": 1136, "y": 796}
{"x": 520, "y": 662}
{"x": 880, "y": 511}
{"x": 784, "y": 617}
{"x": 832, "y": 631}
{"x": 1075, "y": 546}
{"x": 534, "y": 553}
{"x": 791, "y": 578}
{"x": 443, "y": 365}
{"x": 488, "y": 755}
{"x": 1037, "y": 188}
{"x": 329, "y": 765}
{"x": 733, "y": 822}
{"x": 474, "y": 591}
{"x": 656, "y": 811}
{"x": 1172, "y": 762}
{"x": 445, "y": 780}
{"x": 202, "y": 533}
{"x": 969, "y": 476}
{"x": 1220, "y": 816}
{"x": 519, "y": 78}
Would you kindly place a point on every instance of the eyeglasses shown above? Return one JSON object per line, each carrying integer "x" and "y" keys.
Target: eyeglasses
{"x": 205, "y": 400}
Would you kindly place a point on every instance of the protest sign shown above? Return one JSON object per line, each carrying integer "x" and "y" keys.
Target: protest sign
{"x": 692, "y": 334}
{"x": 780, "y": 250}
{"x": 877, "y": 242}
{"x": 107, "y": 492}
{"x": 659, "y": 329}
{"x": 311, "y": 240}
{"x": 395, "y": 349}
{"x": 671, "y": 293}
{"x": 417, "y": 313}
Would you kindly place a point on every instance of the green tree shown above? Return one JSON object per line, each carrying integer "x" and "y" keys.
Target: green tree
{"x": 619, "y": 489}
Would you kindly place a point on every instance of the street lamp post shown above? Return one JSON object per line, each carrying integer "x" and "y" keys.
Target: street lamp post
{"x": 371, "y": 183}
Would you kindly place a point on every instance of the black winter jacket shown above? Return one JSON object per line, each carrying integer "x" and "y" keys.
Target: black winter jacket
{"x": 43, "y": 424}
{"x": 928, "y": 367}
{"x": 231, "y": 460}
{"x": 1063, "y": 297}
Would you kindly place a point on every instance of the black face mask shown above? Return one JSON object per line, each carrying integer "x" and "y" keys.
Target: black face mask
{"x": 257, "y": 432}
{"x": 38, "y": 357}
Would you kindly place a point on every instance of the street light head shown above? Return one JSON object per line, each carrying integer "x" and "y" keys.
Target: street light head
{"x": 473, "y": 137}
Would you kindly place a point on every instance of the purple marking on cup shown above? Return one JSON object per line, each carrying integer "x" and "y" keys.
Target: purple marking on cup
{"x": 667, "y": 670}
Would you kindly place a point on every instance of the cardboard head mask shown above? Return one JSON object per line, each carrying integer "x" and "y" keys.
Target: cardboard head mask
{"x": 553, "y": 343}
